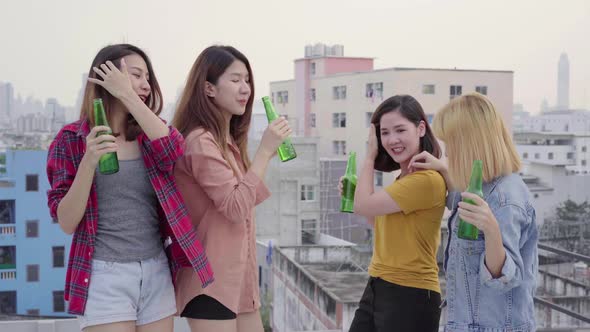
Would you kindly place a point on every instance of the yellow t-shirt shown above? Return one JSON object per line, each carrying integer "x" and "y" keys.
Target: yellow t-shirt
{"x": 406, "y": 242}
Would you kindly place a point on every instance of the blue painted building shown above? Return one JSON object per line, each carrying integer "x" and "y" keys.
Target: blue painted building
{"x": 33, "y": 249}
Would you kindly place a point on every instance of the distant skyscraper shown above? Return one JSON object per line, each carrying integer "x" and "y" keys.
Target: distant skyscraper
{"x": 6, "y": 102}
{"x": 563, "y": 82}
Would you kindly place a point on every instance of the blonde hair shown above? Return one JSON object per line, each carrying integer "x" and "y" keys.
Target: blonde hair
{"x": 472, "y": 129}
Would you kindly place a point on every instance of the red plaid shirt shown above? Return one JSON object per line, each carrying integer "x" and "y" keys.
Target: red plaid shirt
{"x": 65, "y": 155}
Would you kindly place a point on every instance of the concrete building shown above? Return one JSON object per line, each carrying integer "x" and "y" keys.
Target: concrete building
{"x": 555, "y": 149}
{"x": 291, "y": 215}
{"x": 33, "y": 249}
{"x": 30, "y": 123}
{"x": 316, "y": 288}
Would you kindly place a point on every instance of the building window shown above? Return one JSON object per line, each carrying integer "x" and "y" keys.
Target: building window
{"x": 32, "y": 182}
{"x": 584, "y": 148}
{"x": 308, "y": 230}
{"x": 58, "y": 256}
{"x": 481, "y": 89}
{"x": 272, "y": 97}
{"x": 374, "y": 91}
{"x": 570, "y": 155}
{"x": 428, "y": 89}
{"x": 583, "y": 162}
{"x": 33, "y": 312}
{"x": 8, "y": 302}
{"x": 283, "y": 97}
{"x": 312, "y": 120}
{"x": 378, "y": 179}
{"x": 456, "y": 90}
{"x": 368, "y": 117}
{"x": 7, "y": 257}
{"x": 58, "y": 301}
{"x": 32, "y": 273}
{"x": 550, "y": 155}
{"x": 339, "y": 147}
{"x": 312, "y": 68}
{"x": 311, "y": 94}
{"x": 525, "y": 155}
{"x": 7, "y": 211}
{"x": 307, "y": 192}
{"x": 32, "y": 228}
{"x": 537, "y": 155}
{"x": 338, "y": 120}
{"x": 339, "y": 92}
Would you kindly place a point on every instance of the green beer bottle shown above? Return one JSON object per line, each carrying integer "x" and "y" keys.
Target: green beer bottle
{"x": 108, "y": 163}
{"x": 349, "y": 185}
{"x": 286, "y": 150}
{"x": 466, "y": 230}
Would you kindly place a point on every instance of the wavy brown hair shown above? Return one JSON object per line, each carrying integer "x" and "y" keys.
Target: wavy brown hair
{"x": 115, "y": 53}
{"x": 197, "y": 110}
{"x": 410, "y": 109}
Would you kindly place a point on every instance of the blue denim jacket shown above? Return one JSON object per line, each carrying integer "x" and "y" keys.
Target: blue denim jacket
{"x": 476, "y": 302}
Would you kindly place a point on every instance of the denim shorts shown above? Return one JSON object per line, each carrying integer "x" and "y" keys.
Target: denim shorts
{"x": 140, "y": 291}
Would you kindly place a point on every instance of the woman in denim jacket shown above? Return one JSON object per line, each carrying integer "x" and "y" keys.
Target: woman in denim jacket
{"x": 490, "y": 281}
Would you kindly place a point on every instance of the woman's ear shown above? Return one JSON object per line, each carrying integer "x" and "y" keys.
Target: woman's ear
{"x": 422, "y": 128}
{"x": 210, "y": 90}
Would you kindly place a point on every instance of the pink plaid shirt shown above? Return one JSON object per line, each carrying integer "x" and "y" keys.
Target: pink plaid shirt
{"x": 159, "y": 156}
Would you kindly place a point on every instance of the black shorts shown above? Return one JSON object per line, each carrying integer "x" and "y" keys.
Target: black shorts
{"x": 206, "y": 307}
{"x": 386, "y": 306}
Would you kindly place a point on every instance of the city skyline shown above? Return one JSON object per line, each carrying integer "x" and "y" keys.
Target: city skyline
{"x": 47, "y": 59}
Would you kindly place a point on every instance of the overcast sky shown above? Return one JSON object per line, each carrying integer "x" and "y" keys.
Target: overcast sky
{"x": 47, "y": 45}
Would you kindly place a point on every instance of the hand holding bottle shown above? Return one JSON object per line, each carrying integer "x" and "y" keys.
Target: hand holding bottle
{"x": 98, "y": 146}
{"x": 276, "y": 132}
{"x": 340, "y": 185}
{"x": 477, "y": 213}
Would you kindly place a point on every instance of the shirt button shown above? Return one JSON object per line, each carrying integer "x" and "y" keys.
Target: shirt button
{"x": 86, "y": 280}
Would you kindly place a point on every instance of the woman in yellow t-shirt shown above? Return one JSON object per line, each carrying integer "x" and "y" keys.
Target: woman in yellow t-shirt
{"x": 403, "y": 292}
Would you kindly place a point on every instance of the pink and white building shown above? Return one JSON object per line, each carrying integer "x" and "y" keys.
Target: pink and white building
{"x": 333, "y": 96}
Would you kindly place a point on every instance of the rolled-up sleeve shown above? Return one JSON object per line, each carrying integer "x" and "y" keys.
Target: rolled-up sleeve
{"x": 510, "y": 219}
{"x": 60, "y": 173}
{"x": 233, "y": 197}
{"x": 166, "y": 150}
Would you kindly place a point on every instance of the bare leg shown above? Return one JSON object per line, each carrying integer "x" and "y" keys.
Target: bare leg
{"x": 128, "y": 326}
{"x": 207, "y": 325}
{"x": 162, "y": 325}
{"x": 250, "y": 322}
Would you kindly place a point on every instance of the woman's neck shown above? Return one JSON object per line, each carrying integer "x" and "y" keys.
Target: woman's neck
{"x": 227, "y": 118}
{"x": 119, "y": 120}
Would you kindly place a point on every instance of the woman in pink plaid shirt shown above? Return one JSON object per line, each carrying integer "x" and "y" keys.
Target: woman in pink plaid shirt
{"x": 119, "y": 277}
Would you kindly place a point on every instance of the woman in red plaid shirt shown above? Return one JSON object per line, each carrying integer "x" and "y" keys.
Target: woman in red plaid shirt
{"x": 119, "y": 277}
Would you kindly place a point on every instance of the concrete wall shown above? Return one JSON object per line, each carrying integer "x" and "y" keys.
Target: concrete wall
{"x": 280, "y": 216}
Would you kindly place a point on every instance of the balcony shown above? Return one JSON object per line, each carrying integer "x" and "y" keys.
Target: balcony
{"x": 7, "y": 232}
{"x": 7, "y": 273}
